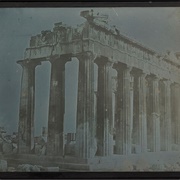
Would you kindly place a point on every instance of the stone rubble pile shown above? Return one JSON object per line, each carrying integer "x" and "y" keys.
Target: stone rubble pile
{"x": 8, "y": 143}
{"x": 29, "y": 168}
{"x": 26, "y": 168}
{"x": 36, "y": 168}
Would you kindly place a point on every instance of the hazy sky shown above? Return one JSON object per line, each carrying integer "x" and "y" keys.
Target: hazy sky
{"x": 157, "y": 28}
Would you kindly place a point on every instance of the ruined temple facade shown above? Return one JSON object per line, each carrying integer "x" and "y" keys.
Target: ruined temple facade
{"x": 147, "y": 87}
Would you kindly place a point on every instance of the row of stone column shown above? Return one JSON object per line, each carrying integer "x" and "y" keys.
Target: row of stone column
{"x": 140, "y": 117}
{"x": 85, "y": 106}
{"x": 139, "y": 110}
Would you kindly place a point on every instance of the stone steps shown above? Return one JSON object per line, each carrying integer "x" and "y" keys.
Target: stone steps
{"x": 73, "y": 166}
{"x": 45, "y": 159}
{"x": 64, "y": 164}
{"x": 74, "y": 170}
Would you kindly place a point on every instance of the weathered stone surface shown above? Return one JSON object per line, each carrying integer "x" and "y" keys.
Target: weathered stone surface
{"x": 1, "y": 145}
{"x": 175, "y": 147}
{"x": 104, "y": 41}
{"x": 136, "y": 149}
{"x": 85, "y": 124}
{"x": 70, "y": 148}
{"x": 43, "y": 150}
{"x": 3, "y": 165}
{"x": 104, "y": 127}
{"x": 55, "y": 138}
{"x": 15, "y": 147}
{"x": 11, "y": 169}
{"x": 40, "y": 149}
{"x": 28, "y": 168}
{"x": 142, "y": 165}
{"x": 7, "y": 147}
{"x": 27, "y": 103}
{"x": 124, "y": 109}
{"x": 52, "y": 169}
{"x": 127, "y": 165}
{"x": 93, "y": 148}
{"x": 37, "y": 149}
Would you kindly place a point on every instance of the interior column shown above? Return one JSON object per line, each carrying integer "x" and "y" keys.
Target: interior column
{"x": 57, "y": 105}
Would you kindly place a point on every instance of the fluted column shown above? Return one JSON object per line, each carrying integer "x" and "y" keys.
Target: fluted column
{"x": 56, "y": 104}
{"x": 104, "y": 133}
{"x": 176, "y": 112}
{"x": 124, "y": 109}
{"x": 167, "y": 115}
{"x": 155, "y": 115}
{"x": 85, "y": 125}
{"x": 142, "y": 112}
{"x": 139, "y": 112}
{"x": 26, "y": 111}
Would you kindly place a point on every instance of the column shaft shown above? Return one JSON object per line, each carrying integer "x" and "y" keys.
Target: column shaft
{"x": 177, "y": 113}
{"x": 85, "y": 125}
{"x": 56, "y": 105}
{"x": 26, "y": 113}
{"x": 104, "y": 131}
{"x": 124, "y": 110}
{"x": 142, "y": 112}
{"x": 167, "y": 116}
{"x": 155, "y": 115}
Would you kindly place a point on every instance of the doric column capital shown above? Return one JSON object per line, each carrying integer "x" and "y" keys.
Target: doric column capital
{"x": 176, "y": 85}
{"x": 85, "y": 55}
{"x": 102, "y": 61}
{"x": 152, "y": 77}
{"x": 143, "y": 74}
{"x": 120, "y": 67}
{"x": 167, "y": 82}
{"x": 29, "y": 63}
{"x": 138, "y": 73}
{"x": 60, "y": 58}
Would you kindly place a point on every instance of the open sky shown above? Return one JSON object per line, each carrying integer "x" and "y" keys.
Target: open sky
{"x": 157, "y": 28}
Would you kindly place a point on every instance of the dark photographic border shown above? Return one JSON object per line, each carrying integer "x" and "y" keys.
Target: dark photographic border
{"x": 88, "y": 175}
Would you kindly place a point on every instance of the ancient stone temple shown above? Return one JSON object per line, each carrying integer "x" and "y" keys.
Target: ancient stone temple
{"x": 147, "y": 87}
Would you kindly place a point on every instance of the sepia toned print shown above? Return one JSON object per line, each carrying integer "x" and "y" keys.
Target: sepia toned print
{"x": 88, "y": 97}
